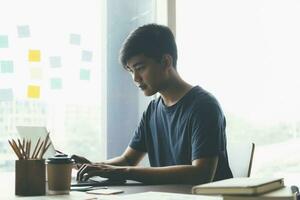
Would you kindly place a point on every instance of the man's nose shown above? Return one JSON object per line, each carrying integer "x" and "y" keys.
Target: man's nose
{"x": 136, "y": 77}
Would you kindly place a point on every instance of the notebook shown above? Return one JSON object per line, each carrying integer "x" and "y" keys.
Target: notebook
{"x": 33, "y": 133}
{"x": 242, "y": 186}
{"x": 284, "y": 193}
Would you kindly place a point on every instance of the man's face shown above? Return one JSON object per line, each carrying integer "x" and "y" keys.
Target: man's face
{"x": 147, "y": 74}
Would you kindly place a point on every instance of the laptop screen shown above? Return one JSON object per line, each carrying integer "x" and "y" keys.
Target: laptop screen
{"x": 33, "y": 133}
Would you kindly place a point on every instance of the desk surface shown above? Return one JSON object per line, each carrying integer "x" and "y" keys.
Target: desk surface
{"x": 7, "y": 188}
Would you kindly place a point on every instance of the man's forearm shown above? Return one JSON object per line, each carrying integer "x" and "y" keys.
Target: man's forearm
{"x": 130, "y": 157}
{"x": 201, "y": 171}
{"x": 117, "y": 161}
{"x": 187, "y": 174}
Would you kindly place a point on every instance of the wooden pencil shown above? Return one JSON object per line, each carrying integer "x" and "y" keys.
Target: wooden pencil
{"x": 23, "y": 145}
{"x": 47, "y": 147}
{"x": 14, "y": 149}
{"x": 35, "y": 148}
{"x": 21, "y": 148}
{"x": 17, "y": 149}
{"x": 29, "y": 148}
{"x": 38, "y": 151}
{"x": 44, "y": 146}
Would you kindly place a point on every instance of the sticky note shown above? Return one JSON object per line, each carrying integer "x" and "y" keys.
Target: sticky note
{"x": 33, "y": 91}
{"x": 6, "y": 94}
{"x": 23, "y": 31}
{"x": 75, "y": 39}
{"x": 86, "y": 56}
{"x": 56, "y": 83}
{"x": 55, "y": 61}
{"x": 7, "y": 66}
{"x": 3, "y": 41}
{"x": 36, "y": 73}
{"x": 84, "y": 74}
{"x": 34, "y": 55}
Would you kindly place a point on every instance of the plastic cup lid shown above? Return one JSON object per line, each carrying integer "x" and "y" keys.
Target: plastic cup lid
{"x": 60, "y": 160}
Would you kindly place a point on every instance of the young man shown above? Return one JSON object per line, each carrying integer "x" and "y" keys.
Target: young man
{"x": 182, "y": 131}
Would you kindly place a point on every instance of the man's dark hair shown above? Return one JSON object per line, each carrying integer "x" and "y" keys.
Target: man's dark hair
{"x": 151, "y": 40}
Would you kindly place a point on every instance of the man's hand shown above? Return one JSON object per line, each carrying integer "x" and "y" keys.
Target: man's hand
{"x": 99, "y": 169}
{"x": 79, "y": 161}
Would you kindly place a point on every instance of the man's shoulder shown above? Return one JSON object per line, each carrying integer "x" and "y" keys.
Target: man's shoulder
{"x": 202, "y": 103}
{"x": 153, "y": 104}
{"x": 155, "y": 101}
{"x": 198, "y": 95}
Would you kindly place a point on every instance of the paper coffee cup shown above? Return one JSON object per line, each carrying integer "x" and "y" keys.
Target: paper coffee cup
{"x": 59, "y": 170}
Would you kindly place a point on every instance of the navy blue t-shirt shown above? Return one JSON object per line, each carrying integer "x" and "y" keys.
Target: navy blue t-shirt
{"x": 192, "y": 128}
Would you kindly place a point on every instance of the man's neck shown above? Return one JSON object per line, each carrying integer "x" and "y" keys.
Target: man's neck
{"x": 174, "y": 91}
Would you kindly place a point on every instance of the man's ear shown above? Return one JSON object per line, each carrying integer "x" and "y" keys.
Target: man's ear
{"x": 167, "y": 60}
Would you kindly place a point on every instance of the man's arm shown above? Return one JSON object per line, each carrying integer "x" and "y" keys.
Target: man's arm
{"x": 201, "y": 171}
{"x": 130, "y": 157}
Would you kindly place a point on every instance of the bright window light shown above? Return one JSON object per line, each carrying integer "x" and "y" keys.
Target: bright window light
{"x": 51, "y": 74}
{"x": 247, "y": 54}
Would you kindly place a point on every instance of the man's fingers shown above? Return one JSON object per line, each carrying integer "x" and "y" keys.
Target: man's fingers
{"x": 75, "y": 158}
{"x": 106, "y": 171}
{"x": 80, "y": 159}
{"x": 77, "y": 166}
{"x": 86, "y": 169}
{"x": 91, "y": 173}
{"x": 79, "y": 173}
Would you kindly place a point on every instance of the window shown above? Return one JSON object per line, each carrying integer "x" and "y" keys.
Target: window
{"x": 51, "y": 68}
{"x": 125, "y": 103}
{"x": 59, "y": 68}
{"x": 247, "y": 54}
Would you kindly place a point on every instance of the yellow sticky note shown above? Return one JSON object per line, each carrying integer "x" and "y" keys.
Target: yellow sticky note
{"x": 34, "y": 55}
{"x": 33, "y": 91}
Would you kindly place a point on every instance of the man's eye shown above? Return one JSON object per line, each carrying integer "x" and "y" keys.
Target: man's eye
{"x": 140, "y": 67}
{"x": 129, "y": 70}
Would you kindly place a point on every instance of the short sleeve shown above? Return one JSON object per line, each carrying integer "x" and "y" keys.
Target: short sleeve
{"x": 208, "y": 127}
{"x": 138, "y": 142}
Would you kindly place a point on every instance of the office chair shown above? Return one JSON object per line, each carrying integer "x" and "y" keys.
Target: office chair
{"x": 240, "y": 156}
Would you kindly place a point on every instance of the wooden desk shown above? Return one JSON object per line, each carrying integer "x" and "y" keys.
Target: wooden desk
{"x": 7, "y": 188}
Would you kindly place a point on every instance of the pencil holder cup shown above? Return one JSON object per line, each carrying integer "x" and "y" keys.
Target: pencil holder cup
{"x": 30, "y": 177}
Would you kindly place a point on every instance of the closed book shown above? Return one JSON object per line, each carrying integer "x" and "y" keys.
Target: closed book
{"x": 242, "y": 186}
{"x": 284, "y": 193}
